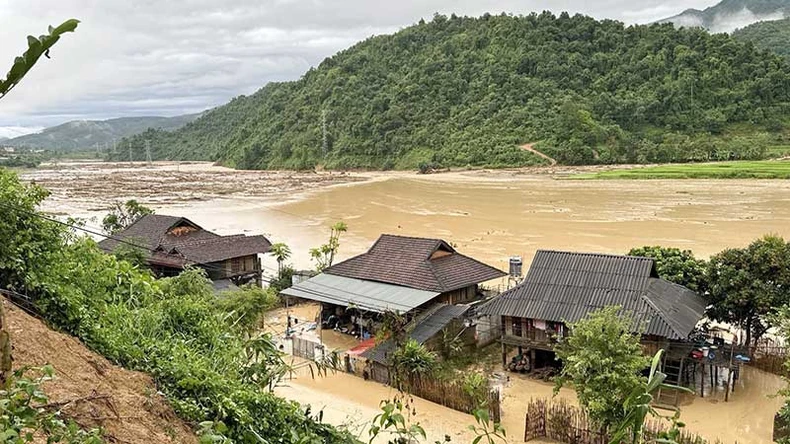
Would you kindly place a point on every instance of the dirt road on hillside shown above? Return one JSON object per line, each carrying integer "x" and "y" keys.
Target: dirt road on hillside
{"x": 531, "y": 148}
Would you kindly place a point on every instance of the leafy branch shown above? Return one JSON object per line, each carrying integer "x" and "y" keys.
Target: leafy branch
{"x": 36, "y": 47}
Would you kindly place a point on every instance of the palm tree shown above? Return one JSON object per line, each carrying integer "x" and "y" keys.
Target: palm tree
{"x": 281, "y": 253}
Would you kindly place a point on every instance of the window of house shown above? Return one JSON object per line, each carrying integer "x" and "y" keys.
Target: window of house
{"x": 235, "y": 265}
{"x": 517, "y": 327}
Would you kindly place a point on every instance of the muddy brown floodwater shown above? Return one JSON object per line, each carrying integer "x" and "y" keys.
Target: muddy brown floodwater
{"x": 488, "y": 215}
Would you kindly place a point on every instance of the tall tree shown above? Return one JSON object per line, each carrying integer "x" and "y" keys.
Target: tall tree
{"x": 678, "y": 266}
{"x": 603, "y": 360}
{"x": 123, "y": 215}
{"x": 749, "y": 284}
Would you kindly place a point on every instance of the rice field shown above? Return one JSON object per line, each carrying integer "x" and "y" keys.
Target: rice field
{"x": 763, "y": 169}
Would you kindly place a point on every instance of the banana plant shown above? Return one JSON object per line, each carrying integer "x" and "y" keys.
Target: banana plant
{"x": 36, "y": 47}
{"x": 638, "y": 406}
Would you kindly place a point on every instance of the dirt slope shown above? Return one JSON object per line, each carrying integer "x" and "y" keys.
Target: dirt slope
{"x": 124, "y": 403}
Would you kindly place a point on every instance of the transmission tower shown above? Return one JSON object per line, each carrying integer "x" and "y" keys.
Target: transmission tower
{"x": 148, "y": 151}
{"x": 325, "y": 137}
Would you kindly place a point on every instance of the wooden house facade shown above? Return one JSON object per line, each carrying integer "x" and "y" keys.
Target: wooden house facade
{"x": 564, "y": 287}
{"x": 172, "y": 243}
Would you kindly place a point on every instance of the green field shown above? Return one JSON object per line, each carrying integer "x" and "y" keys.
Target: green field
{"x": 766, "y": 169}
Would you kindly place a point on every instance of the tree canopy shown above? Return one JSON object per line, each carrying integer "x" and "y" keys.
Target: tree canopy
{"x": 748, "y": 285}
{"x": 771, "y": 36}
{"x": 458, "y": 91}
{"x": 678, "y": 266}
{"x": 603, "y": 361}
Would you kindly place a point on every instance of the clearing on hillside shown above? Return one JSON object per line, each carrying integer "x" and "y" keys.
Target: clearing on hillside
{"x": 95, "y": 392}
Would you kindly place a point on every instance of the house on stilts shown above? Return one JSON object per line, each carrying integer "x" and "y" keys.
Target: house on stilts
{"x": 424, "y": 280}
{"x": 564, "y": 287}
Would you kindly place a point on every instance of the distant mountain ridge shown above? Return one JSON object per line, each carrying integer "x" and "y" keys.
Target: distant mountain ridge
{"x": 88, "y": 134}
{"x": 729, "y": 15}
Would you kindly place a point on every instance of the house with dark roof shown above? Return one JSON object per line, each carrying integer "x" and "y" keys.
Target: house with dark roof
{"x": 172, "y": 243}
{"x": 398, "y": 274}
{"x": 564, "y": 287}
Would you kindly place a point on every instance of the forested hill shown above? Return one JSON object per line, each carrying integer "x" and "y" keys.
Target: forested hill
{"x": 772, "y": 36}
{"x": 463, "y": 91}
{"x": 90, "y": 134}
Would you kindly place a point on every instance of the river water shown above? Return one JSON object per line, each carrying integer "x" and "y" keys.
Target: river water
{"x": 488, "y": 215}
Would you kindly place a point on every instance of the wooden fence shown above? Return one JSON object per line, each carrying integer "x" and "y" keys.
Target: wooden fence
{"x": 564, "y": 423}
{"x": 307, "y": 349}
{"x": 770, "y": 359}
{"x": 447, "y": 393}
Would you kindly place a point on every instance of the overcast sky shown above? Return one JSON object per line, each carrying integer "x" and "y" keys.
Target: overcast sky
{"x": 145, "y": 57}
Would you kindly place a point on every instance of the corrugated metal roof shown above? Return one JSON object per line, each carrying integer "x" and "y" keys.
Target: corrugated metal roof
{"x": 565, "y": 287}
{"x": 368, "y": 295}
{"x": 422, "y": 332}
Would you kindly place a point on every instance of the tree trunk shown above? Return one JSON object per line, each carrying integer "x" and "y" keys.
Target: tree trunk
{"x": 749, "y": 332}
{"x": 5, "y": 349}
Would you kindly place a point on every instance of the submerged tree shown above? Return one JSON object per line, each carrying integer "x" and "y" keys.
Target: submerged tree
{"x": 747, "y": 285}
{"x": 123, "y": 215}
{"x": 602, "y": 359}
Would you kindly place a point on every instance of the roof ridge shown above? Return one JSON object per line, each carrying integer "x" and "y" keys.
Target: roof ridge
{"x": 582, "y": 253}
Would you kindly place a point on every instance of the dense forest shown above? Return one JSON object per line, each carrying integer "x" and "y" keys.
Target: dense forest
{"x": 772, "y": 36}
{"x": 460, "y": 91}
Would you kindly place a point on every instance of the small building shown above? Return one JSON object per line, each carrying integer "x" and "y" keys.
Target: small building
{"x": 565, "y": 287}
{"x": 401, "y": 274}
{"x": 172, "y": 243}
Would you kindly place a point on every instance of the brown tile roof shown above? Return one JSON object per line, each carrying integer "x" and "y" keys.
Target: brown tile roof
{"x": 424, "y": 264}
{"x": 176, "y": 241}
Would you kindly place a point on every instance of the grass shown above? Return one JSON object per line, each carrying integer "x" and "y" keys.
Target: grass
{"x": 764, "y": 169}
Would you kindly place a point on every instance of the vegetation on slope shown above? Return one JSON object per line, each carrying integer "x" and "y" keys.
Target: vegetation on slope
{"x": 198, "y": 349}
{"x": 464, "y": 91}
{"x": 771, "y": 36}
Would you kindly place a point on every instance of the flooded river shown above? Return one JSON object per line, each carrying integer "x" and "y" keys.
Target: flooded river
{"x": 488, "y": 215}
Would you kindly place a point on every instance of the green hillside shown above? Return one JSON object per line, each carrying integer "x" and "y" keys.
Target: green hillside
{"x": 772, "y": 36}
{"x": 464, "y": 91}
{"x": 87, "y": 134}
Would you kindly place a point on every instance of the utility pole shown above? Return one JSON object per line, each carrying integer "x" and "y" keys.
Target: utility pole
{"x": 130, "y": 151}
{"x": 325, "y": 144}
{"x": 148, "y": 151}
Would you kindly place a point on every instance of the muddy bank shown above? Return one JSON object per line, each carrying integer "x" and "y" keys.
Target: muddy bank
{"x": 96, "y": 393}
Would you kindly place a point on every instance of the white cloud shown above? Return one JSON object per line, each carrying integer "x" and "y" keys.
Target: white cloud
{"x": 9, "y": 132}
{"x": 168, "y": 57}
